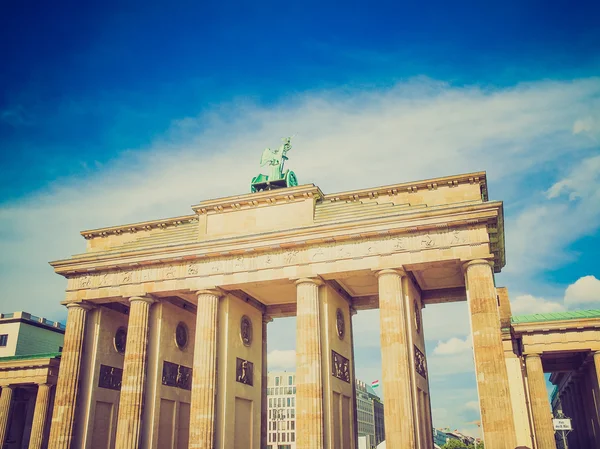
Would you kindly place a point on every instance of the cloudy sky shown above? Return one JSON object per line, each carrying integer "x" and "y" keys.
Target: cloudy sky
{"x": 120, "y": 113}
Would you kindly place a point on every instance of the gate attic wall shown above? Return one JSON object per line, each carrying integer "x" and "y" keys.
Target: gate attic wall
{"x": 448, "y": 220}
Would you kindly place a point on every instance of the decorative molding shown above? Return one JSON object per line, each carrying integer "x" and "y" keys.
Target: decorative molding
{"x": 278, "y": 258}
{"x": 244, "y": 371}
{"x": 178, "y": 376}
{"x": 262, "y": 198}
{"x": 142, "y": 226}
{"x": 110, "y": 377}
{"x": 412, "y": 187}
{"x": 340, "y": 366}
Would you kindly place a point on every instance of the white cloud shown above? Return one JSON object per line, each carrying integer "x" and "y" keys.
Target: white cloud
{"x": 472, "y": 405}
{"x": 453, "y": 346}
{"x": 539, "y": 236}
{"x": 529, "y": 304}
{"x": 346, "y": 140}
{"x": 446, "y": 320}
{"x": 583, "y": 292}
{"x": 589, "y": 124}
{"x": 281, "y": 360}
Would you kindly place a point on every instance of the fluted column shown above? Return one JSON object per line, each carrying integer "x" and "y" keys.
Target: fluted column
{"x": 492, "y": 377}
{"x": 129, "y": 421}
{"x": 540, "y": 404}
{"x": 264, "y": 405}
{"x": 597, "y": 366}
{"x": 65, "y": 399}
{"x": 309, "y": 380}
{"x": 39, "y": 416}
{"x": 204, "y": 380}
{"x": 395, "y": 362}
{"x": 5, "y": 400}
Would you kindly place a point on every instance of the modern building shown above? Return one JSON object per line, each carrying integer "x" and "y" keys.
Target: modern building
{"x": 365, "y": 415}
{"x": 378, "y": 417}
{"x": 23, "y": 334}
{"x": 30, "y": 350}
{"x": 281, "y": 423}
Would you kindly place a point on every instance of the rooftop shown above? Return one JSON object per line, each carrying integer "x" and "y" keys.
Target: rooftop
{"x": 26, "y": 317}
{"x": 555, "y": 316}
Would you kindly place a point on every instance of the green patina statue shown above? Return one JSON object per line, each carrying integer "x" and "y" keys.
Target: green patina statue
{"x": 276, "y": 178}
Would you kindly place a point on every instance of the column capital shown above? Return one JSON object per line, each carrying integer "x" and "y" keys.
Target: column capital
{"x": 82, "y": 305}
{"x": 147, "y": 299}
{"x": 398, "y": 271}
{"x": 318, "y": 282}
{"x": 266, "y": 318}
{"x": 474, "y": 262}
{"x": 211, "y": 291}
{"x": 532, "y": 355}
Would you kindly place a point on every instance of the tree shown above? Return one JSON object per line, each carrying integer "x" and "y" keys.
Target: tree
{"x": 454, "y": 444}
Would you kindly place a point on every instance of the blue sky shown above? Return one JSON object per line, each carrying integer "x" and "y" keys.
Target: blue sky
{"x": 113, "y": 113}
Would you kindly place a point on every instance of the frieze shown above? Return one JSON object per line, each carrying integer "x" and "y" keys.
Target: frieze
{"x": 178, "y": 376}
{"x": 420, "y": 363}
{"x": 252, "y": 261}
{"x": 340, "y": 367}
{"x": 244, "y": 371}
{"x": 110, "y": 377}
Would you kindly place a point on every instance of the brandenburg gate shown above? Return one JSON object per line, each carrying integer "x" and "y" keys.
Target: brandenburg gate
{"x": 165, "y": 345}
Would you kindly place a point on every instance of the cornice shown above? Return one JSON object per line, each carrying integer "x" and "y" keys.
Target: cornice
{"x": 266, "y": 197}
{"x": 413, "y": 186}
{"x": 470, "y": 215}
{"x": 141, "y": 226}
{"x": 558, "y": 325}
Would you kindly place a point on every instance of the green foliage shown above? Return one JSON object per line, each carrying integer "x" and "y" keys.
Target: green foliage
{"x": 454, "y": 444}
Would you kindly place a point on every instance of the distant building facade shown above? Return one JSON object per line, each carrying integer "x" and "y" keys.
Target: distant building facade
{"x": 378, "y": 418}
{"x": 23, "y": 334}
{"x": 281, "y": 418}
{"x": 281, "y": 414}
{"x": 30, "y": 349}
{"x": 365, "y": 414}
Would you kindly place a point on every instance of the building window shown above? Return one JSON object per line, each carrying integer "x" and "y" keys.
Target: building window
{"x": 277, "y": 381}
{"x": 289, "y": 402}
{"x": 290, "y": 380}
{"x": 3, "y": 339}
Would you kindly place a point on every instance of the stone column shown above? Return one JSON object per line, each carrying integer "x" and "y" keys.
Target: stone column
{"x": 395, "y": 362}
{"x": 492, "y": 377}
{"x": 309, "y": 380}
{"x": 540, "y": 404}
{"x": 597, "y": 366}
{"x": 5, "y": 400}
{"x": 264, "y": 404}
{"x": 39, "y": 416}
{"x": 129, "y": 420}
{"x": 204, "y": 380}
{"x": 65, "y": 399}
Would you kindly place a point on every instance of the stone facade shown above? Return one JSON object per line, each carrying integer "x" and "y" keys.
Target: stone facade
{"x": 233, "y": 264}
{"x": 566, "y": 345}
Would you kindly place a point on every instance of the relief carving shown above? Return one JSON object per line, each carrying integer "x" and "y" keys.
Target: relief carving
{"x": 340, "y": 367}
{"x": 192, "y": 269}
{"x": 178, "y": 376}
{"x": 110, "y": 377}
{"x": 420, "y": 363}
{"x": 244, "y": 371}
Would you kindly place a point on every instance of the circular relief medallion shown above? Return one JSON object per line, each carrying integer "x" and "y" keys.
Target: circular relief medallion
{"x": 120, "y": 340}
{"x": 340, "y": 324}
{"x": 181, "y": 335}
{"x": 246, "y": 331}
{"x": 417, "y": 317}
